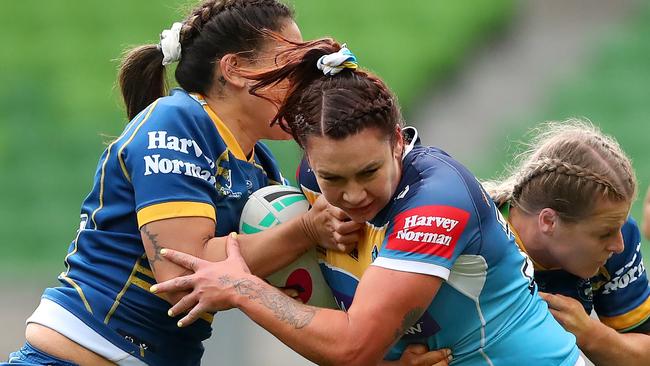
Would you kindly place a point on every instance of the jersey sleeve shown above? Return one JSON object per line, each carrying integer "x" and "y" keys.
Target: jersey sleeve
{"x": 431, "y": 225}
{"x": 167, "y": 159}
{"x": 623, "y": 301}
{"x": 307, "y": 181}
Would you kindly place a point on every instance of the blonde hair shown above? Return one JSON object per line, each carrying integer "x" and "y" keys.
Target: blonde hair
{"x": 567, "y": 167}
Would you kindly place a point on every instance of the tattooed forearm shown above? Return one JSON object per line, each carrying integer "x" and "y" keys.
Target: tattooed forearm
{"x": 410, "y": 318}
{"x": 285, "y": 309}
{"x": 156, "y": 247}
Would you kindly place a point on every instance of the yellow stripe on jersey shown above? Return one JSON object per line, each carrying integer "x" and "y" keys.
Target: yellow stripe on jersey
{"x": 170, "y": 210}
{"x": 128, "y": 282}
{"x": 79, "y": 291}
{"x": 227, "y": 136}
{"x": 119, "y": 153}
{"x": 145, "y": 271}
{"x": 373, "y": 238}
{"x": 138, "y": 282}
{"x": 630, "y": 319}
{"x": 311, "y": 195}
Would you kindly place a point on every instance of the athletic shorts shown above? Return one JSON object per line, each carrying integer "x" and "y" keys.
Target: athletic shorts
{"x": 31, "y": 356}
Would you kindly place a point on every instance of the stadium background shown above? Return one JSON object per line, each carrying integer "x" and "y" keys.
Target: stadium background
{"x": 473, "y": 75}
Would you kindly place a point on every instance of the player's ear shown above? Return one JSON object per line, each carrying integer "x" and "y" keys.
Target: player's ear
{"x": 398, "y": 145}
{"x": 228, "y": 65}
{"x": 547, "y": 221}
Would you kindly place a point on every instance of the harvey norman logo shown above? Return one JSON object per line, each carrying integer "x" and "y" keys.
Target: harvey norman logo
{"x": 446, "y": 224}
{"x": 155, "y": 164}
{"x": 428, "y": 230}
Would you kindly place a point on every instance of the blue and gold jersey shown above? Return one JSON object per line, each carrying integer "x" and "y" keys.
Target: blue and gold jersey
{"x": 619, "y": 293}
{"x": 441, "y": 222}
{"x": 175, "y": 159}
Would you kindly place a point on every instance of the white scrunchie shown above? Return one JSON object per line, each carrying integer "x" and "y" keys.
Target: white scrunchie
{"x": 333, "y": 63}
{"x": 170, "y": 44}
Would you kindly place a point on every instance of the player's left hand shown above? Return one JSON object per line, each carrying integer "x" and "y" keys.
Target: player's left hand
{"x": 330, "y": 227}
{"x": 212, "y": 286}
{"x": 569, "y": 313}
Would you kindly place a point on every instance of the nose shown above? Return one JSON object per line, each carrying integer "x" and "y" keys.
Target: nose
{"x": 617, "y": 245}
{"x": 354, "y": 194}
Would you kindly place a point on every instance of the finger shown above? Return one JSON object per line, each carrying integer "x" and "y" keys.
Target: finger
{"x": 291, "y": 292}
{"x": 346, "y": 247}
{"x": 347, "y": 239}
{"x": 182, "y": 259}
{"x": 558, "y": 315}
{"x": 434, "y": 357}
{"x": 546, "y": 297}
{"x": 417, "y": 349}
{"x": 338, "y": 213}
{"x": 183, "y": 305}
{"x": 192, "y": 316}
{"x": 444, "y": 362}
{"x": 347, "y": 227}
{"x": 182, "y": 283}
{"x": 233, "y": 251}
{"x": 557, "y": 302}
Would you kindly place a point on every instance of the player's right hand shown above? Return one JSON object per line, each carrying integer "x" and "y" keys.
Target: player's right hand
{"x": 332, "y": 228}
{"x": 419, "y": 355}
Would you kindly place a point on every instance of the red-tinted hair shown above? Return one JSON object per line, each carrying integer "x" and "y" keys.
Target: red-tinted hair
{"x": 335, "y": 106}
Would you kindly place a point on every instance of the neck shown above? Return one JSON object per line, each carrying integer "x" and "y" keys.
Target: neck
{"x": 532, "y": 239}
{"x": 234, "y": 116}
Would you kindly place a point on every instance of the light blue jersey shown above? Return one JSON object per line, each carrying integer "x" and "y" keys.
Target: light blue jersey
{"x": 441, "y": 222}
{"x": 175, "y": 159}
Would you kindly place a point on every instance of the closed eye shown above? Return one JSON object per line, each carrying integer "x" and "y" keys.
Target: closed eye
{"x": 608, "y": 234}
{"x": 368, "y": 173}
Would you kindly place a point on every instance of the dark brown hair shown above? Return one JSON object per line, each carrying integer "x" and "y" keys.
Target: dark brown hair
{"x": 316, "y": 104}
{"x": 213, "y": 29}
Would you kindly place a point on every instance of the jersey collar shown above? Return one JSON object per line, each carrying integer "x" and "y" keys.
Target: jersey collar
{"x": 231, "y": 143}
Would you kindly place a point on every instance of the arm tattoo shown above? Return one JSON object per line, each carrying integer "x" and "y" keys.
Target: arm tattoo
{"x": 156, "y": 247}
{"x": 285, "y": 309}
{"x": 410, "y": 318}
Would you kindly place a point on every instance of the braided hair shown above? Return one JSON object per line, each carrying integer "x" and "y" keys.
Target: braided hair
{"x": 569, "y": 166}
{"x": 320, "y": 105}
{"x": 212, "y": 29}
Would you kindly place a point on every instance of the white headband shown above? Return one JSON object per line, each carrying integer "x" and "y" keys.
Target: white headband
{"x": 170, "y": 44}
{"x": 333, "y": 63}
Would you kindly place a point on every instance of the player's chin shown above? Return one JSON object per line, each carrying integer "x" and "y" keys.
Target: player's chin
{"x": 588, "y": 271}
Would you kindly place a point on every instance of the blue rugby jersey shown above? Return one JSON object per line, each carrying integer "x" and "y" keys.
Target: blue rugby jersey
{"x": 175, "y": 159}
{"x": 441, "y": 222}
{"x": 619, "y": 293}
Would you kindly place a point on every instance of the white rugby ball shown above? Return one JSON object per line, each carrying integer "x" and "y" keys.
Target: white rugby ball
{"x": 273, "y": 205}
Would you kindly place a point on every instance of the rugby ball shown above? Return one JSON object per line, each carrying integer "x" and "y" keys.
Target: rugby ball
{"x": 273, "y": 205}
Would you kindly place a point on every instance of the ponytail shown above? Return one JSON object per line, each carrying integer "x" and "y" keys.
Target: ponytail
{"x": 142, "y": 78}
{"x": 213, "y": 29}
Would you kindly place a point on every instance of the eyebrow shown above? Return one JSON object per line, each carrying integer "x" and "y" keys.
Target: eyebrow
{"x": 371, "y": 165}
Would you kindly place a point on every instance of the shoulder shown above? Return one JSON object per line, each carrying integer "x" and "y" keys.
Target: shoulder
{"x": 176, "y": 122}
{"x": 433, "y": 176}
{"x": 176, "y": 110}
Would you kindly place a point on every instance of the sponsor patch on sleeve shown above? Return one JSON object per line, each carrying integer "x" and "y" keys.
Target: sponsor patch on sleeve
{"x": 432, "y": 230}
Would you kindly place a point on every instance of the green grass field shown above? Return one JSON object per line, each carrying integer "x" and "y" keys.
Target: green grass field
{"x": 59, "y": 105}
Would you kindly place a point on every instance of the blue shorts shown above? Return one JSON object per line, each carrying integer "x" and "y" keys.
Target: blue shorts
{"x": 30, "y": 356}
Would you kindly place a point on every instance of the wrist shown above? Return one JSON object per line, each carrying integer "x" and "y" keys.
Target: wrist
{"x": 245, "y": 288}
{"x": 307, "y": 227}
{"x": 592, "y": 336}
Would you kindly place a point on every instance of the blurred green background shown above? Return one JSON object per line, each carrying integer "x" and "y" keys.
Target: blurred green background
{"x": 59, "y": 104}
